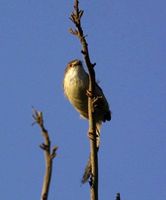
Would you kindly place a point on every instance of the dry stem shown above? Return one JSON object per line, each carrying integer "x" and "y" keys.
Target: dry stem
{"x": 49, "y": 155}
{"x": 76, "y": 19}
{"x": 118, "y": 196}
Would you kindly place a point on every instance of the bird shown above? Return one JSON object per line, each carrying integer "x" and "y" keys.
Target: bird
{"x": 75, "y": 85}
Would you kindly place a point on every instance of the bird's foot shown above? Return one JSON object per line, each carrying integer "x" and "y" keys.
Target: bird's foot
{"x": 89, "y": 94}
{"x": 96, "y": 100}
{"x": 92, "y": 136}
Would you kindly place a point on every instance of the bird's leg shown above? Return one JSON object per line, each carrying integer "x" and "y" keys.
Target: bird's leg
{"x": 95, "y": 99}
{"x": 89, "y": 93}
{"x": 95, "y": 102}
{"x": 91, "y": 136}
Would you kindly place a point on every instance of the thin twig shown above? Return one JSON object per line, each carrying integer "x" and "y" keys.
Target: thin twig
{"x": 118, "y": 196}
{"x": 76, "y": 19}
{"x": 49, "y": 154}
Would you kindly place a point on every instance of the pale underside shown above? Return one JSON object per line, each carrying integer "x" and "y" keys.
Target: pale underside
{"x": 76, "y": 84}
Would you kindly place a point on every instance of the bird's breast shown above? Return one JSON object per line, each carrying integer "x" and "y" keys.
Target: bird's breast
{"x": 75, "y": 84}
{"x": 75, "y": 89}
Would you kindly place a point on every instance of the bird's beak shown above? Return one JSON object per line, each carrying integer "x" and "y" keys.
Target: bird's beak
{"x": 74, "y": 63}
{"x": 77, "y": 62}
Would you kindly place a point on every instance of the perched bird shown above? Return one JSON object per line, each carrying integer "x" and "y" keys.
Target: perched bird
{"x": 76, "y": 84}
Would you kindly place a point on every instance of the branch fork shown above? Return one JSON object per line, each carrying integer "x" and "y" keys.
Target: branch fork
{"x": 50, "y": 154}
{"x": 75, "y": 17}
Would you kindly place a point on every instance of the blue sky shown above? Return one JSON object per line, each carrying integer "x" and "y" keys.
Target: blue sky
{"x": 127, "y": 41}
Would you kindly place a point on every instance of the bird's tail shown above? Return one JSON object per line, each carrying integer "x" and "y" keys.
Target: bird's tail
{"x": 87, "y": 171}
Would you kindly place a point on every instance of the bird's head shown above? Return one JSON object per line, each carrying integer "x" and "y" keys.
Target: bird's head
{"x": 73, "y": 64}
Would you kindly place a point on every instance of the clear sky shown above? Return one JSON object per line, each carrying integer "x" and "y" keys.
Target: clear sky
{"x": 127, "y": 40}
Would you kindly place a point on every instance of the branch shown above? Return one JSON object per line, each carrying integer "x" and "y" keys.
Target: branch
{"x": 76, "y": 19}
{"x": 118, "y": 196}
{"x": 49, "y": 154}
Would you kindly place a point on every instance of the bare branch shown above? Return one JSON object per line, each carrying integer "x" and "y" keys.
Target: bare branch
{"x": 49, "y": 155}
{"x": 76, "y": 19}
{"x": 118, "y": 196}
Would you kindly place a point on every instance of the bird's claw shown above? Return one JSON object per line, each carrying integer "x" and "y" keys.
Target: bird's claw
{"x": 91, "y": 135}
{"x": 96, "y": 100}
{"x": 89, "y": 93}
